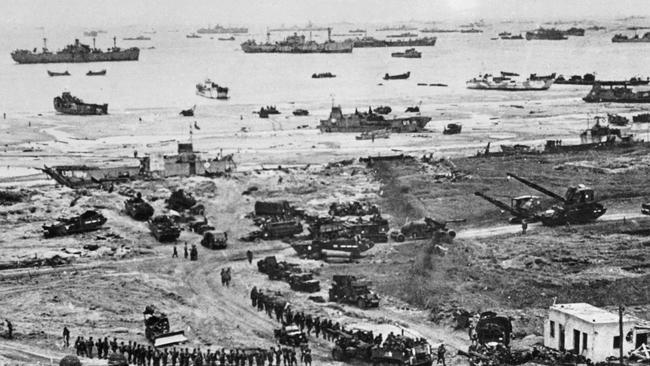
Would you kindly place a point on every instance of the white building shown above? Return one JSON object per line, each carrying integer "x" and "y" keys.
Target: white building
{"x": 592, "y": 332}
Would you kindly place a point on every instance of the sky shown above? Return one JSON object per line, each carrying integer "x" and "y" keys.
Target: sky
{"x": 112, "y": 13}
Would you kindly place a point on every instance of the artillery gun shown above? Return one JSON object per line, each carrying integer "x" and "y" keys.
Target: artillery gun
{"x": 303, "y": 282}
{"x": 348, "y": 346}
{"x": 426, "y": 229}
{"x": 578, "y": 205}
{"x": 290, "y": 335}
{"x": 521, "y": 207}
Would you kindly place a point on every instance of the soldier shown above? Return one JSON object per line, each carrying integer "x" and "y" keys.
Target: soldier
{"x": 164, "y": 356}
{"x": 254, "y": 296}
{"x": 107, "y": 346}
{"x": 174, "y": 356}
{"x": 293, "y": 361}
{"x": 249, "y": 255}
{"x": 317, "y": 326}
{"x": 269, "y": 356}
{"x": 308, "y": 323}
{"x": 175, "y": 254}
{"x": 186, "y": 252}
{"x": 307, "y": 359}
{"x": 524, "y": 227}
{"x": 89, "y": 347}
{"x": 149, "y": 355}
{"x": 156, "y": 358}
{"x": 10, "y": 329}
{"x": 278, "y": 356}
{"x": 114, "y": 345}
{"x": 82, "y": 347}
{"x": 77, "y": 346}
{"x": 100, "y": 347}
{"x": 66, "y": 337}
{"x": 441, "y": 354}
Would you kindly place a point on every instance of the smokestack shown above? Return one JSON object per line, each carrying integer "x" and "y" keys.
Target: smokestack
{"x": 114, "y": 42}
{"x": 94, "y": 43}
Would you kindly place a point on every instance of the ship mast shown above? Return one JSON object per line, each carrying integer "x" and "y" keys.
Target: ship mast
{"x": 44, "y": 44}
{"x": 114, "y": 42}
{"x": 94, "y": 43}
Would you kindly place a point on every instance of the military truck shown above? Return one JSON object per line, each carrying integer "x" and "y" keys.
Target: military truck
{"x": 156, "y": 329}
{"x": 275, "y": 230}
{"x": 87, "y": 221}
{"x": 138, "y": 208}
{"x": 215, "y": 240}
{"x": 493, "y": 328}
{"x": 303, "y": 282}
{"x": 180, "y": 200}
{"x": 401, "y": 350}
{"x": 290, "y": 335}
{"x": 425, "y": 229}
{"x": 277, "y": 271}
{"x": 164, "y": 229}
{"x": 348, "y": 289}
{"x": 354, "y": 208}
{"x": 200, "y": 226}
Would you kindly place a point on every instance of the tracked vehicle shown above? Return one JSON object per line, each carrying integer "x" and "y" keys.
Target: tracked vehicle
{"x": 348, "y": 289}
{"x": 138, "y": 208}
{"x": 521, "y": 207}
{"x": 425, "y": 229}
{"x": 88, "y": 221}
{"x": 578, "y": 206}
{"x": 156, "y": 328}
{"x": 164, "y": 229}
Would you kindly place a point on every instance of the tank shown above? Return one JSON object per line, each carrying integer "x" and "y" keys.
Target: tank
{"x": 138, "y": 208}
{"x": 88, "y": 221}
{"x": 303, "y": 282}
{"x": 321, "y": 248}
{"x": 180, "y": 200}
{"x": 164, "y": 229}
{"x": 424, "y": 229}
{"x": 69, "y": 104}
{"x": 75, "y": 53}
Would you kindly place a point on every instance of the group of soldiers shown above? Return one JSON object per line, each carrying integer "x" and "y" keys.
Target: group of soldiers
{"x": 146, "y": 355}
{"x": 226, "y": 277}
{"x": 283, "y": 314}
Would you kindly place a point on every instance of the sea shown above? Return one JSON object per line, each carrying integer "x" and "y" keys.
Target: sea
{"x": 146, "y": 96}
{"x": 171, "y": 65}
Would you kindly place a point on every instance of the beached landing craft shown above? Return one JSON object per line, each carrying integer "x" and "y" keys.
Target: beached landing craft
{"x": 622, "y": 94}
{"x": 403, "y": 76}
{"x": 510, "y": 82}
{"x": 54, "y": 73}
{"x": 76, "y": 52}
{"x": 68, "y": 104}
{"x": 360, "y": 122}
{"x": 299, "y": 44}
{"x": 619, "y": 38}
{"x": 410, "y": 53}
{"x": 209, "y": 89}
{"x": 96, "y": 73}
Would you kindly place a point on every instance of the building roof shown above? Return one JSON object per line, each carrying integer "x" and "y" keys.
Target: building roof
{"x": 590, "y": 313}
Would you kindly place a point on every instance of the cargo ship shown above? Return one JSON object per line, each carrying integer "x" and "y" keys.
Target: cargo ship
{"x": 573, "y": 31}
{"x": 218, "y": 29}
{"x": 76, "y": 52}
{"x": 510, "y": 82}
{"x": 411, "y": 42}
{"x": 370, "y": 121}
{"x": 551, "y": 34}
{"x": 590, "y": 79}
{"x": 613, "y": 94}
{"x": 400, "y": 28}
{"x": 138, "y": 38}
{"x": 619, "y": 38}
{"x": 298, "y": 44}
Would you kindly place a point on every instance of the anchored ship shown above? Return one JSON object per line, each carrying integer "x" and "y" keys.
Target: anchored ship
{"x": 68, "y": 104}
{"x": 613, "y": 94}
{"x": 411, "y": 42}
{"x": 371, "y": 121}
{"x": 619, "y": 38}
{"x": 551, "y": 34}
{"x": 76, "y": 52}
{"x": 510, "y": 82}
{"x": 410, "y": 53}
{"x": 218, "y": 29}
{"x": 298, "y": 44}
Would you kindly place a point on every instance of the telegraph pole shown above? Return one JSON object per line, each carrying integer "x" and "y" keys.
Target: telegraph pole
{"x": 620, "y": 334}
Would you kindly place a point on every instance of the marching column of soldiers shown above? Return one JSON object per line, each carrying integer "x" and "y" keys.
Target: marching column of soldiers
{"x": 145, "y": 355}
{"x": 329, "y": 330}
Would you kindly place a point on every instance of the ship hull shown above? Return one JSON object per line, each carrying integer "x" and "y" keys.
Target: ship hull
{"x": 345, "y": 47}
{"x": 536, "y": 85}
{"x": 421, "y": 42}
{"x": 398, "y": 125}
{"x": 131, "y": 54}
{"x": 79, "y": 109}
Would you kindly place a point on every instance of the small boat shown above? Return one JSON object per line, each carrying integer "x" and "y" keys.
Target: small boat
{"x": 452, "y": 129}
{"x": 357, "y": 31}
{"x": 96, "y": 73}
{"x": 397, "y": 77}
{"x": 509, "y": 81}
{"x": 266, "y": 111}
{"x": 643, "y": 117}
{"x": 301, "y": 112}
{"x": 415, "y": 109}
{"x": 372, "y": 135}
{"x": 410, "y": 53}
{"x": 53, "y": 73}
{"x": 192, "y": 35}
{"x": 231, "y": 38}
{"x": 617, "y": 120}
{"x": 211, "y": 90}
{"x": 322, "y": 75}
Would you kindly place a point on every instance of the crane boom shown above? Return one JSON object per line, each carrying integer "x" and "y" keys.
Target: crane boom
{"x": 500, "y": 205}
{"x": 538, "y": 187}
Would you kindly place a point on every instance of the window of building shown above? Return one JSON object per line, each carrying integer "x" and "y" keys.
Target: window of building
{"x": 552, "y": 329}
{"x": 584, "y": 341}
{"x": 617, "y": 342}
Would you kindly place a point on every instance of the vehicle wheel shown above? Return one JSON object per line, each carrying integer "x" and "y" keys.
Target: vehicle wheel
{"x": 361, "y": 303}
{"x": 337, "y": 354}
{"x": 400, "y": 238}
